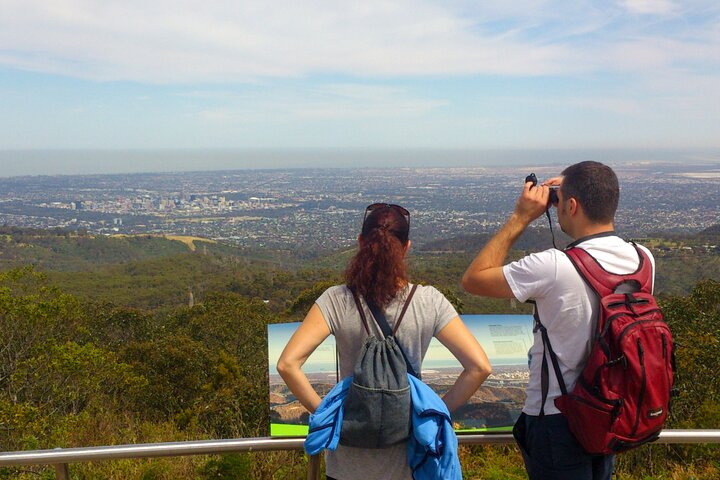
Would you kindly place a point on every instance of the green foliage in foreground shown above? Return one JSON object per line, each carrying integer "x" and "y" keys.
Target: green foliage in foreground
{"x": 76, "y": 374}
{"x": 80, "y": 373}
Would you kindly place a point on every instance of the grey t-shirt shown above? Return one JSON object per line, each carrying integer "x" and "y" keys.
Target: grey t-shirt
{"x": 428, "y": 313}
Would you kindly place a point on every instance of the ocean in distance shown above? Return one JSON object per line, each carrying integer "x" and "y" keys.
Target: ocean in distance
{"x": 88, "y": 162}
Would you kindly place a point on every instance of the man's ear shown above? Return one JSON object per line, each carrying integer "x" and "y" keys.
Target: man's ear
{"x": 572, "y": 206}
{"x": 407, "y": 247}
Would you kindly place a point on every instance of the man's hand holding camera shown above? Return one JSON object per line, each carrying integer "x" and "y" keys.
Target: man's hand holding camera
{"x": 536, "y": 199}
{"x": 484, "y": 275}
{"x": 532, "y": 203}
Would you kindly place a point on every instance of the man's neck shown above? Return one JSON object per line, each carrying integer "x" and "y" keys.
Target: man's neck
{"x": 593, "y": 229}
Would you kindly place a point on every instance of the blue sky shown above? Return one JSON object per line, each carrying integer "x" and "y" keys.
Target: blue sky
{"x": 81, "y": 74}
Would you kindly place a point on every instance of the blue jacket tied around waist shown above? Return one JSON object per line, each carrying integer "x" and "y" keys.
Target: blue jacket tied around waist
{"x": 431, "y": 448}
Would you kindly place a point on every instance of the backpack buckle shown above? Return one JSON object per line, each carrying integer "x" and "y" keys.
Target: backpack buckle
{"x": 615, "y": 361}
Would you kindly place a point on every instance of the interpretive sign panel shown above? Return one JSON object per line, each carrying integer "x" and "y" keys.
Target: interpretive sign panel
{"x": 495, "y": 406}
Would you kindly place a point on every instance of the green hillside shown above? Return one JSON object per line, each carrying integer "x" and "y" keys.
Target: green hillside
{"x": 64, "y": 250}
{"x": 682, "y": 260}
{"x": 151, "y": 272}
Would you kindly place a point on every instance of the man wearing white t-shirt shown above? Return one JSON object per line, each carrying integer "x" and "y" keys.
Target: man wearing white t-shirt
{"x": 587, "y": 197}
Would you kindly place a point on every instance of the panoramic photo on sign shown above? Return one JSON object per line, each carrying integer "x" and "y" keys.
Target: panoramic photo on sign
{"x": 495, "y": 406}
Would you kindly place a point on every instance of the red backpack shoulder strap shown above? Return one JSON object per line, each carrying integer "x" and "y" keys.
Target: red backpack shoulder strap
{"x": 603, "y": 282}
{"x": 592, "y": 273}
{"x": 644, "y": 273}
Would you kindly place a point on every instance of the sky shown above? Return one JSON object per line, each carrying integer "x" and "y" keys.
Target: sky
{"x": 370, "y": 74}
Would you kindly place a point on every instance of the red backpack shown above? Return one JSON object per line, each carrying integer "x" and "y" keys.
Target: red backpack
{"x": 622, "y": 397}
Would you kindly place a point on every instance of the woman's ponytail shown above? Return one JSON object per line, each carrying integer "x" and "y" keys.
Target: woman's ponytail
{"x": 377, "y": 271}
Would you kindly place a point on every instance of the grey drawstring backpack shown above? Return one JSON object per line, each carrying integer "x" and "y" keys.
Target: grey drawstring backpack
{"x": 378, "y": 405}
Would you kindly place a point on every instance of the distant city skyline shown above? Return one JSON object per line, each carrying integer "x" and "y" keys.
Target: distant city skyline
{"x": 319, "y": 210}
{"x": 458, "y": 75}
{"x": 15, "y": 163}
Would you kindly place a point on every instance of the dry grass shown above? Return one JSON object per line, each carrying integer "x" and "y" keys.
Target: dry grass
{"x": 189, "y": 241}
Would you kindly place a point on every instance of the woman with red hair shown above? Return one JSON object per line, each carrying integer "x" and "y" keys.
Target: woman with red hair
{"x": 378, "y": 275}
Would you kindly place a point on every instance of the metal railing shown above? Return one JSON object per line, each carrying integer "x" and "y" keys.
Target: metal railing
{"x": 60, "y": 458}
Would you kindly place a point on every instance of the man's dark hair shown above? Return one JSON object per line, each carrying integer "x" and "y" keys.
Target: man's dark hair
{"x": 595, "y": 186}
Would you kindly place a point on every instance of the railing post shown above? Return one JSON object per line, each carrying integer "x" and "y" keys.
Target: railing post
{"x": 62, "y": 472}
{"x": 314, "y": 467}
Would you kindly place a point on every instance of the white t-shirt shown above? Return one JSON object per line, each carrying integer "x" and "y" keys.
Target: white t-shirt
{"x": 567, "y": 307}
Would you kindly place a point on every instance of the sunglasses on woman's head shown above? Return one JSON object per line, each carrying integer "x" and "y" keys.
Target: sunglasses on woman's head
{"x": 401, "y": 210}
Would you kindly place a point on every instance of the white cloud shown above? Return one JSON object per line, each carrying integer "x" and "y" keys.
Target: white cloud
{"x": 186, "y": 42}
{"x": 167, "y": 41}
{"x": 622, "y": 106}
{"x": 655, "y": 7}
{"x": 335, "y": 101}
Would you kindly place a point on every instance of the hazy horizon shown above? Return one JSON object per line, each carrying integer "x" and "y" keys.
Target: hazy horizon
{"x": 17, "y": 163}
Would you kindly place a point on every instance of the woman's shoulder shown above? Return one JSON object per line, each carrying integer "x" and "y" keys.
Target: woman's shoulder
{"x": 337, "y": 292}
{"x": 338, "y": 289}
{"x": 432, "y": 303}
{"x": 427, "y": 292}
{"x": 335, "y": 302}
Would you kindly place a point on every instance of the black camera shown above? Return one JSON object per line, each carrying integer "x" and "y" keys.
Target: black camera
{"x": 553, "y": 199}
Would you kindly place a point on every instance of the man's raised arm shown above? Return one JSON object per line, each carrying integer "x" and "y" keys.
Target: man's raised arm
{"x": 484, "y": 276}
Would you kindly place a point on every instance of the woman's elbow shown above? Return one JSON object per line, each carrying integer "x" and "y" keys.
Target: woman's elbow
{"x": 481, "y": 371}
{"x": 283, "y": 367}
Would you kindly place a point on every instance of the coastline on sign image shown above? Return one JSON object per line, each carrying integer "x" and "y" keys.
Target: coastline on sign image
{"x": 499, "y": 401}
{"x": 495, "y": 406}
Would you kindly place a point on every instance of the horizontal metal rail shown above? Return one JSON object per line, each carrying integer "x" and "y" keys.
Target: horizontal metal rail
{"x": 60, "y": 457}
{"x": 148, "y": 450}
